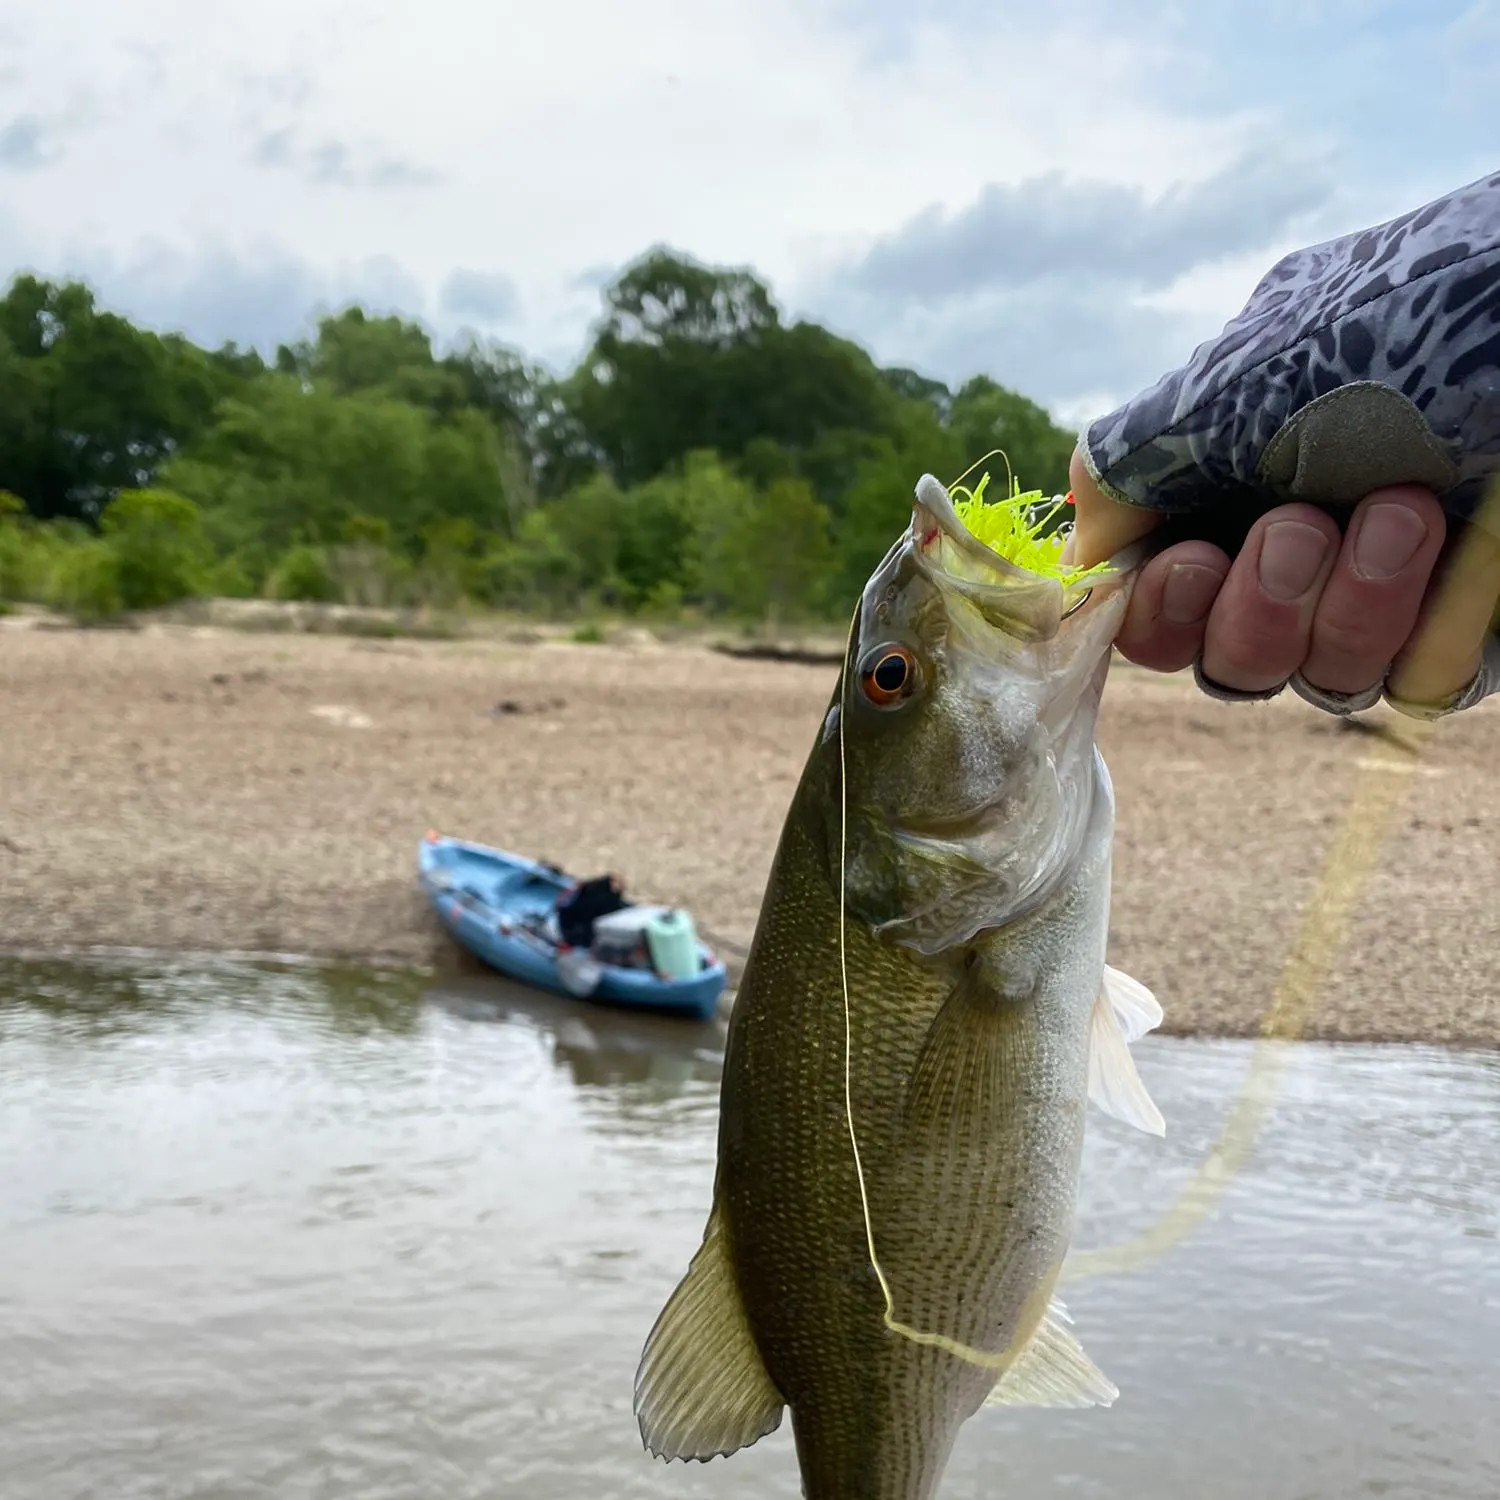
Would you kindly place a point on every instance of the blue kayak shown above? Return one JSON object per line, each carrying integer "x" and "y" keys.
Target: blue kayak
{"x": 502, "y": 908}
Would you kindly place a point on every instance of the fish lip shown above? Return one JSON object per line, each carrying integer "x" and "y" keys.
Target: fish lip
{"x": 934, "y": 513}
{"x": 1026, "y": 607}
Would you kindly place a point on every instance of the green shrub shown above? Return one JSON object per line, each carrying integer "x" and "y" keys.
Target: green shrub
{"x": 16, "y": 563}
{"x": 303, "y": 574}
{"x": 159, "y": 548}
{"x": 537, "y": 571}
{"x": 85, "y": 581}
{"x": 18, "y": 551}
{"x": 229, "y": 578}
{"x": 664, "y": 602}
{"x": 30, "y": 555}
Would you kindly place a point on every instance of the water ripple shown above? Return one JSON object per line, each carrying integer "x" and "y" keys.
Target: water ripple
{"x": 278, "y": 1232}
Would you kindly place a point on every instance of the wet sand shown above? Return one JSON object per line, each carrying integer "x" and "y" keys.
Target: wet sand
{"x": 194, "y": 789}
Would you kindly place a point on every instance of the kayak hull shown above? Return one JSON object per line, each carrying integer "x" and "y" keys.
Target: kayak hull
{"x": 493, "y": 902}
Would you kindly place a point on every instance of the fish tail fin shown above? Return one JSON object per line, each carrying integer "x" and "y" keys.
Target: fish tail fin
{"x": 702, "y": 1389}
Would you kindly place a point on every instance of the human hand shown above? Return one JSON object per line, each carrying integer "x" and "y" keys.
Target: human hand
{"x": 1342, "y": 617}
{"x": 1354, "y": 363}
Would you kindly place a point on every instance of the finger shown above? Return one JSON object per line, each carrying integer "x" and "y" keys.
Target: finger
{"x": 1374, "y": 593}
{"x": 1101, "y": 526}
{"x": 1445, "y": 650}
{"x": 1169, "y": 606}
{"x": 1260, "y": 627}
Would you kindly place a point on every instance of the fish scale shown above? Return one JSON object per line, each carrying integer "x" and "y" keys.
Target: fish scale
{"x": 970, "y": 1051}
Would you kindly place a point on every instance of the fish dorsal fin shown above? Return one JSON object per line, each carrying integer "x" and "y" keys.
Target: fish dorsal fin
{"x": 1123, "y": 1012}
{"x": 1053, "y": 1370}
{"x": 702, "y": 1389}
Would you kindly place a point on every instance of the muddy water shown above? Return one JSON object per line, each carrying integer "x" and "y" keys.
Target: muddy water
{"x": 271, "y": 1232}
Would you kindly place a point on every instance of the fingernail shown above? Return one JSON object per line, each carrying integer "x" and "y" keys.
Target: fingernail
{"x": 1291, "y": 557}
{"x": 1189, "y": 593}
{"x": 1389, "y": 537}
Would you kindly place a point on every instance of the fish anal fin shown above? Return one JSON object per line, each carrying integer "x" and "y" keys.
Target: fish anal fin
{"x": 1053, "y": 1370}
{"x": 965, "y": 1070}
{"x": 702, "y": 1390}
{"x": 1114, "y": 1084}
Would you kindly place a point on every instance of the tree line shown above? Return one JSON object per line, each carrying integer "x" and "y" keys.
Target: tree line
{"x": 706, "y": 455}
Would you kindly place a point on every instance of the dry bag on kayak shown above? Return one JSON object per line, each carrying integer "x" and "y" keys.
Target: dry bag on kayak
{"x": 673, "y": 944}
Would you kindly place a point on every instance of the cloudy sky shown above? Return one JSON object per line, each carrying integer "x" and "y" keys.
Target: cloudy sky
{"x": 1068, "y": 195}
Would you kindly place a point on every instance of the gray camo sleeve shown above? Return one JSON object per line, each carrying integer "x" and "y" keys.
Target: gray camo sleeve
{"x": 1365, "y": 361}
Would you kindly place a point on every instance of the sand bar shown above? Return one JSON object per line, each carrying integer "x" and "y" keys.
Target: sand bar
{"x": 194, "y": 788}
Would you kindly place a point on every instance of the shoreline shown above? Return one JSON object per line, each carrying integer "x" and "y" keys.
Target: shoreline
{"x": 179, "y": 789}
{"x": 462, "y": 968}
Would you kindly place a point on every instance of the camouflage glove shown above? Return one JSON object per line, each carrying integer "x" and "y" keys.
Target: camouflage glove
{"x": 1367, "y": 361}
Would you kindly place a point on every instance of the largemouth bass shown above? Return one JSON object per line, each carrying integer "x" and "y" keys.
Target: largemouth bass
{"x": 924, "y": 1012}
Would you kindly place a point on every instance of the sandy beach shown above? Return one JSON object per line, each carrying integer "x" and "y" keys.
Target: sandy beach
{"x": 200, "y": 789}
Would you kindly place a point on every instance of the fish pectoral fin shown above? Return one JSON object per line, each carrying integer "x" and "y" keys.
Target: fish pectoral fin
{"x": 702, "y": 1389}
{"x": 1136, "y": 1009}
{"x": 1053, "y": 1370}
{"x": 1124, "y": 1011}
{"x": 959, "y": 1083}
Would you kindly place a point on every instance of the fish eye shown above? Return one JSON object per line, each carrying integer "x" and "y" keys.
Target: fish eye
{"x": 888, "y": 675}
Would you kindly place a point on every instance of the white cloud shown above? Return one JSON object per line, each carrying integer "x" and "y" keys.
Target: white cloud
{"x": 22, "y": 144}
{"x": 487, "y": 297}
{"x": 221, "y": 162}
{"x": 1031, "y": 281}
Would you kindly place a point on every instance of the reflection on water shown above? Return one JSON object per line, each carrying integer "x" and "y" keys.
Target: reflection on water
{"x": 598, "y": 1046}
{"x": 292, "y": 1233}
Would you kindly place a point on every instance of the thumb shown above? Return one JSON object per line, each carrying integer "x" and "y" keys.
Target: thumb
{"x": 1102, "y": 526}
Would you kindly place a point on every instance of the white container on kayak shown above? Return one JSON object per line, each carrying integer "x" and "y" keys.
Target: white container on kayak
{"x": 673, "y": 943}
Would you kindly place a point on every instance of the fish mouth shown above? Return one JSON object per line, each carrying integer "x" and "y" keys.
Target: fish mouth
{"x": 935, "y": 520}
{"x": 1028, "y": 605}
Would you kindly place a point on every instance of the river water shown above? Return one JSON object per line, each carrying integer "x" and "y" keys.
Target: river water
{"x": 285, "y": 1232}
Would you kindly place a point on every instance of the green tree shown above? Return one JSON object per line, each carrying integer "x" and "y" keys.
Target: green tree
{"x": 987, "y": 416}
{"x": 704, "y": 452}
{"x": 287, "y": 464}
{"x": 354, "y": 352}
{"x": 536, "y": 570}
{"x": 718, "y": 507}
{"x": 93, "y": 405}
{"x": 691, "y": 357}
{"x": 789, "y": 550}
{"x": 585, "y": 522}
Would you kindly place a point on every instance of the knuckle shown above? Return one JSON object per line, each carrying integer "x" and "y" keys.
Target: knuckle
{"x": 1354, "y": 627}
{"x": 1248, "y": 649}
{"x": 1355, "y": 642}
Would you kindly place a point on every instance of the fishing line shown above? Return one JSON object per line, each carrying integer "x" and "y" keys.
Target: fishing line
{"x": 1352, "y": 858}
{"x": 915, "y": 1335}
{"x": 1379, "y": 791}
{"x": 1010, "y": 478}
